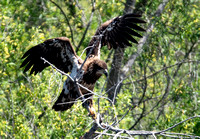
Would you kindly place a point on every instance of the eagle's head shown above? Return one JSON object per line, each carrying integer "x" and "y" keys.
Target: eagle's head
{"x": 94, "y": 68}
{"x": 100, "y": 68}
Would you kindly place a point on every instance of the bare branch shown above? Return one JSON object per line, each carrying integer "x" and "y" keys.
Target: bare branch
{"x": 179, "y": 135}
{"x": 198, "y": 116}
{"x": 156, "y": 72}
{"x": 66, "y": 21}
{"x": 142, "y": 41}
{"x": 88, "y": 25}
{"x": 90, "y": 133}
{"x": 83, "y": 17}
{"x": 186, "y": 56}
{"x": 107, "y": 127}
{"x": 108, "y": 134}
{"x": 139, "y": 132}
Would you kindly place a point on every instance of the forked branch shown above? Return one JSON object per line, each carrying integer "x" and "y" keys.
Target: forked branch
{"x": 164, "y": 132}
{"x": 98, "y": 123}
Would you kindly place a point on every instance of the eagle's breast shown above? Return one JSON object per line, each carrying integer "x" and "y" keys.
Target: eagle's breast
{"x": 89, "y": 86}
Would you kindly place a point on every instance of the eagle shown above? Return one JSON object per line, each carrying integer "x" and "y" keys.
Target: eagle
{"x": 118, "y": 32}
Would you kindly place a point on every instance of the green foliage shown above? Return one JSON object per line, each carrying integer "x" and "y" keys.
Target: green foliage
{"x": 175, "y": 31}
{"x": 25, "y": 23}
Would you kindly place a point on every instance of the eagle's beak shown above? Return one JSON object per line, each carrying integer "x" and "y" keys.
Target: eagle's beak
{"x": 105, "y": 72}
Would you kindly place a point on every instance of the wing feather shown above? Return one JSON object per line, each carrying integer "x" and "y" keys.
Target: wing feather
{"x": 131, "y": 15}
{"x": 113, "y": 40}
{"x": 135, "y": 20}
{"x": 117, "y": 32}
{"x": 131, "y": 32}
{"x": 119, "y": 39}
{"x": 130, "y": 38}
{"x": 135, "y": 27}
{"x": 124, "y": 39}
{"x": 57, "y": 51}
{"x": 29, "y": 65}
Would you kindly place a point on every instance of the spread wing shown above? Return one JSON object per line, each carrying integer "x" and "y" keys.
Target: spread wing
{"x": 57, "y": 51}
{"x": 117, "y": 32}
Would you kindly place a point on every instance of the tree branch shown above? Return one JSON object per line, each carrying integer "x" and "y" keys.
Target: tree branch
{"x": 156, "y": 72}
{"x": 98, "y": 122}
{"x": 133, "y": 57}
{"x": 104, "y": 126}
{"x": 186, "y": 56}
{"x": 115, "y": 71}
{"x": 66, "y": 20}
{"x": 88, "y": 25}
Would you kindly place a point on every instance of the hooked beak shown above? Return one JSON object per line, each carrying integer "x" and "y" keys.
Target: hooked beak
{"x": 105, "y": 72}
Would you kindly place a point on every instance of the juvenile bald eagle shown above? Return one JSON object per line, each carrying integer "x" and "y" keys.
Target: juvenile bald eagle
{"x": 115, "y": 33}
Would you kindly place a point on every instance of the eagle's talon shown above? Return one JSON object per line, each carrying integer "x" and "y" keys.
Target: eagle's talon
{"x": 92, "y": 113}
{"x": 93, "y": 116}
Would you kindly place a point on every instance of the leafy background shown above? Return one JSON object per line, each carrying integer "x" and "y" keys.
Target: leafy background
{"x": 25, "y": 23}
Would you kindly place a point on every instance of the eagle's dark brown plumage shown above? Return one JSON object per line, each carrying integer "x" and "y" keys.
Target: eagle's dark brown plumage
{"x": 115, "y": 33}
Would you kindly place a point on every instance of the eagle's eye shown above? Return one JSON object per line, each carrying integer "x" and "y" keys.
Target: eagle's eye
{"x": 98, "y": 68}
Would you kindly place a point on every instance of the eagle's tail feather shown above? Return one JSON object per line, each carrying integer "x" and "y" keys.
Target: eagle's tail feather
{"x": 64, "y": 102}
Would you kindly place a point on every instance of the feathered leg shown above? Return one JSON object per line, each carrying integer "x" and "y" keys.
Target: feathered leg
{"x": 88, "y": 104}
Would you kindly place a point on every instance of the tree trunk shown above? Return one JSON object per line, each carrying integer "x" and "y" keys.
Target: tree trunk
{"x": 113, "y": 84}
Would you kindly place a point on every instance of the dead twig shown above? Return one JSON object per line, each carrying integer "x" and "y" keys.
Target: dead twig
{"x": 139, "y": 132}
{"x": 88, "y": 25}
{"x": 67, "y": 20}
